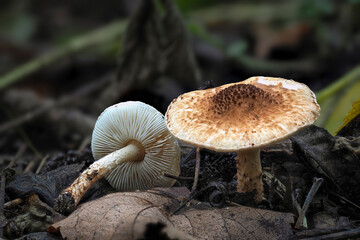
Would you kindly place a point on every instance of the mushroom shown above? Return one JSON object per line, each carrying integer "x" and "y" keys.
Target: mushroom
{"x": 133, "y": 149}
{"x": 243, "y": 117}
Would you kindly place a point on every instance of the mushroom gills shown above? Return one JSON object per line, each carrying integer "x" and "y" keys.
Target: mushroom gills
{"x": 133, "y": 149}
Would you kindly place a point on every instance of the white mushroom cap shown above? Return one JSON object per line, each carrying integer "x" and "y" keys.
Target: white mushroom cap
{"x": 135, "y": 121}
{"x": 244, "y": 115}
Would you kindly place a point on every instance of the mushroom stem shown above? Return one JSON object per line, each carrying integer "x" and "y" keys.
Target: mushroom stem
{"x": 249, "y": 172}
{"x": 67, "y": 201}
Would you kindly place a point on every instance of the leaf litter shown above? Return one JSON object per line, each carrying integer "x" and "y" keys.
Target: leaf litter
{"x": 123, "y": 216}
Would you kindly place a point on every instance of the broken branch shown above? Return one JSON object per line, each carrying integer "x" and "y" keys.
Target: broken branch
{"x": 314, "y": 188}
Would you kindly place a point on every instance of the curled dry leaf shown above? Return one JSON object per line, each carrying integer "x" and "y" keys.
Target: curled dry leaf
{"x": 47, "y": 185}
{"x": 140, "y": 215}
{"x": 319, "y": 150}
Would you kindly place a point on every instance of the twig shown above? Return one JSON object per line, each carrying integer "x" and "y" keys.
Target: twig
{"x": 314, "y": 188}
{"x": 13, "y": 203}
{"x": 95, "y": 37}
{"x": 43, "y": 161}
{"x": 52, "y": 104}
{"x": 84, "y": 143}
{"x": 305, "y": 234}
{"x": 30, "y": 166}
{"x": 26, "y": 117}
{"x": 346, "y": 200}
{"x": 217, "y": 160}
{"x": 17, "y": 156}
{"x": 280, "y": 188}
{"x": 2, "y": 189}
{"x": 272, "y": 186}
{"x": 2, "y": 200}
{"x": 295, "y": 203}
{"x": 178, "y": 178}
{"x": 233, "y": 203}
{"x": 298, "y": 209}
{"x": 187, "y": 157}
{"x": 196, "y": 178}
{"x": 28, "y": 142}
{"x": 197, "y": 168}
{"x": 24, "y": 136}
{"x": 352, "y": 233}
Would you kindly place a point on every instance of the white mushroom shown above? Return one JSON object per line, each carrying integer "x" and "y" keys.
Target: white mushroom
{"x": 243, "y": 117}
{"x": 133, "y": 149}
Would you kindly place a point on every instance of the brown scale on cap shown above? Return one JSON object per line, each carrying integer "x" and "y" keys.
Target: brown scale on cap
{"x": 242, "y": 115}
{"x": 239, "y": 95}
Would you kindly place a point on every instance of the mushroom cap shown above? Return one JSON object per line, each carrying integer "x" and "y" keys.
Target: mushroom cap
{"x": 238, "y": 116}
{"x": 129, "y": 121}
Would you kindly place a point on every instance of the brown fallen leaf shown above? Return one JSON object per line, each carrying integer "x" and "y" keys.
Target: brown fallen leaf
{"x": 145, "y": 215}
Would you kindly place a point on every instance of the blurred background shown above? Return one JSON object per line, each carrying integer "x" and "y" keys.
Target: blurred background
{"x": 63, "y": 62}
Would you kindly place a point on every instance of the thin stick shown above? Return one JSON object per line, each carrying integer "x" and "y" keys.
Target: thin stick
{"x": 352, "y": 233}
{"x": 178, "y": 178}
{"x": 314, "y": 188}
{"x": 187, "y": 157}
{"x": 42, "y": 163}
{"x": 197, "y": 168}
{"x": 272, "y": 185}
{"x": 30, "y": 166}
{"x": 17, "y": 156}
{"x": 280, "y": 188}
{"x": 295, "y": 203}
{"x": 346, "y": 200}
{"x": 2, "y": 200}
{"x": 24, "y": 136}
{"x": 95, "y": 37}
{"x": 52, "y": 104}
{"x": 298, "y": 209}
{"x": 233, "y": 203}
{"x": 218, "y": 159}
{"x": 196, "y": 178}
{"x": 13, "y": 203}
{"x": 316, "y": 232}
{"x": 84, "y": 143}
{"x": 2, "y": 188}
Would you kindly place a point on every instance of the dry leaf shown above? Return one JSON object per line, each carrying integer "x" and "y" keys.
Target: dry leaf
{"x": 316, "y": 147}
{"x": 134, "y": 215}
{"x": 47, "y": 185}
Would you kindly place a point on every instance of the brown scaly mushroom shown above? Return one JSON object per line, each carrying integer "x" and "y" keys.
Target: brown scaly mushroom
{"x": 133, "y": 149}
{"x": 243, "y": 117}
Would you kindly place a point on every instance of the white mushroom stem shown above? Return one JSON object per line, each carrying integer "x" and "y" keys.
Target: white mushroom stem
{"x": 249, "y": 172}
{"x": 134, "y": 151}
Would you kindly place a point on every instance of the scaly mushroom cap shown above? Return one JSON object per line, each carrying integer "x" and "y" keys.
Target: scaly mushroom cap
{"x": 135, "y": 121}
{"x": 243, "y": 115}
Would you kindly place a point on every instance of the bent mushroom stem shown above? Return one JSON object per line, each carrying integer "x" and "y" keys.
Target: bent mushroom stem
{"x": 249, "y": 172}
{"x": 67, "y": 201}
